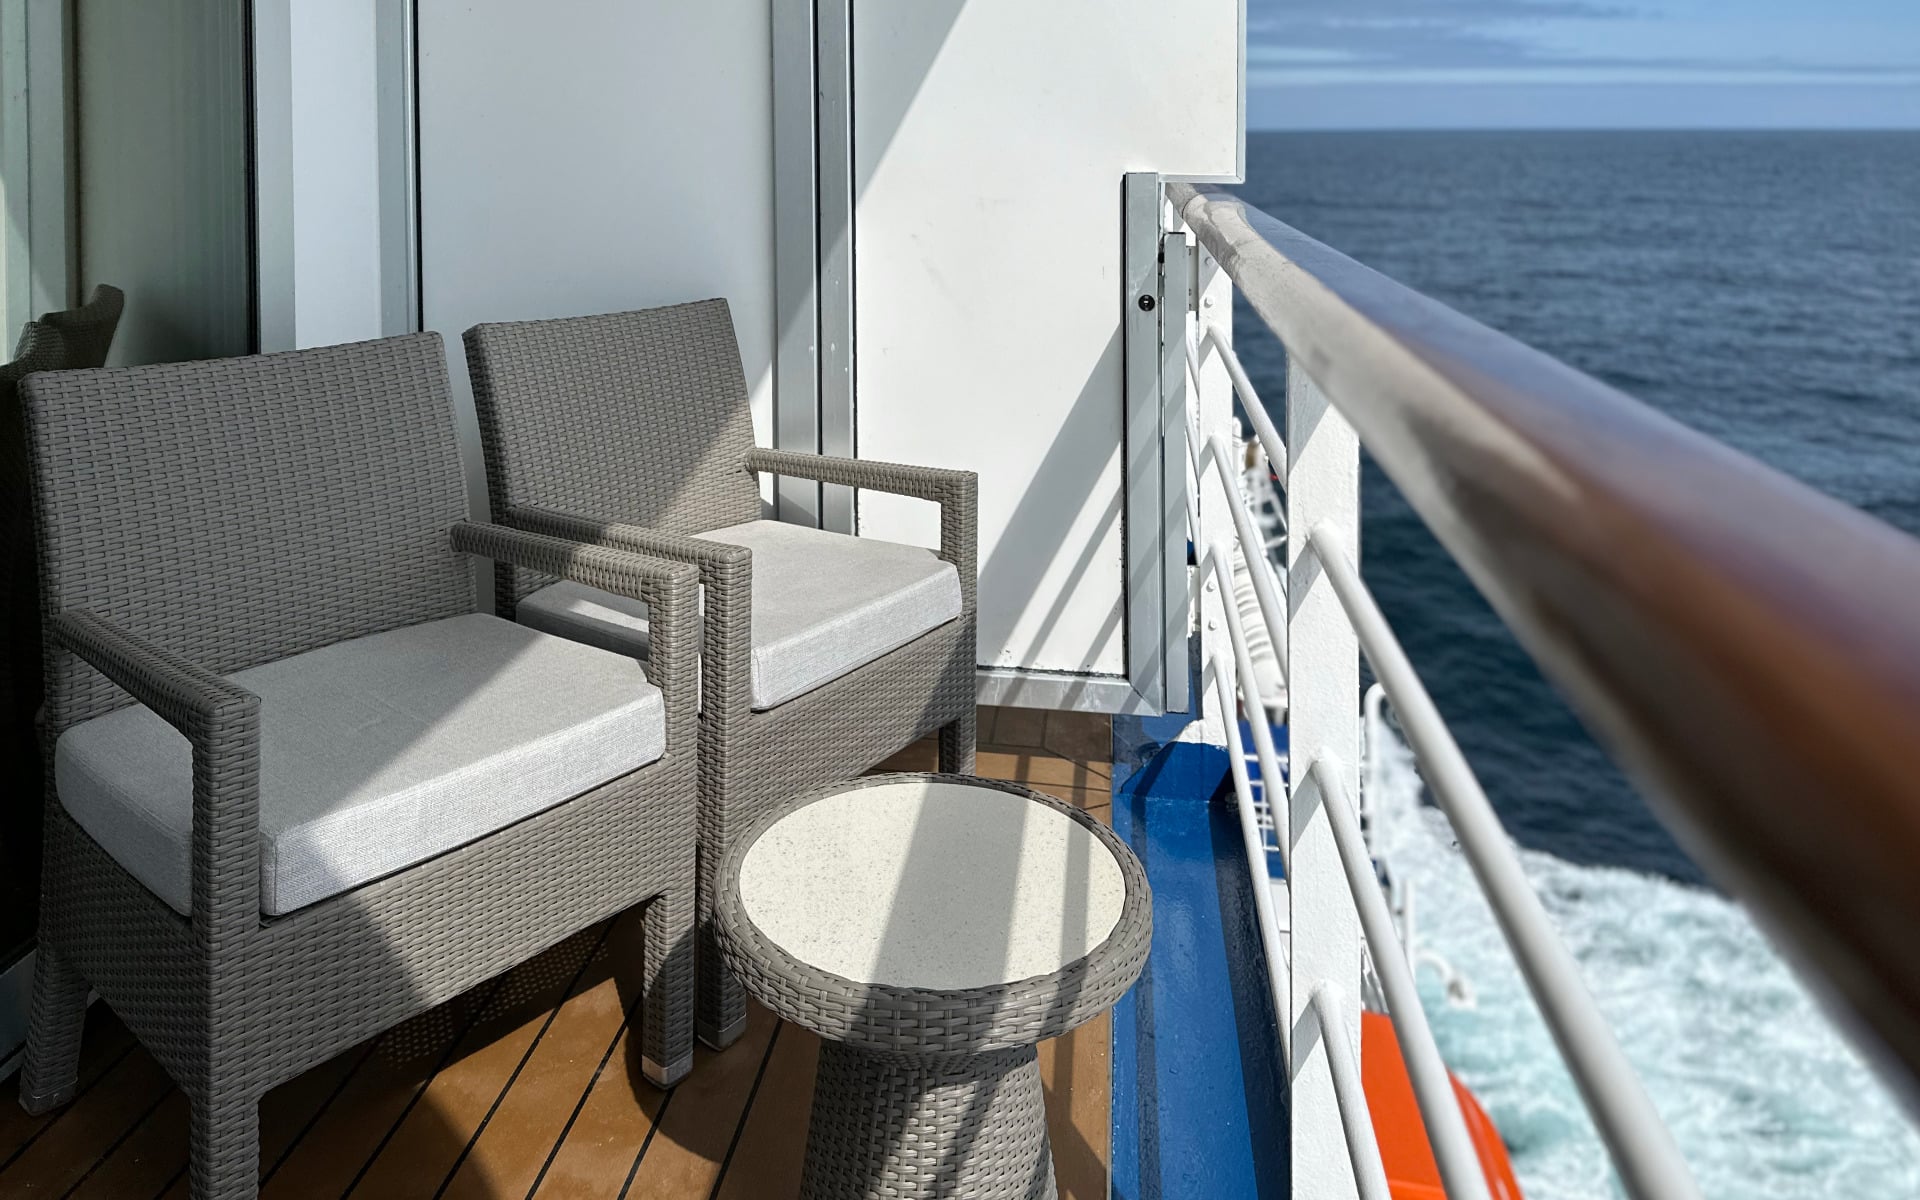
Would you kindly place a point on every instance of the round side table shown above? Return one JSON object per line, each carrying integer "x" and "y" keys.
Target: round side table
{"x": 931, "y": 929}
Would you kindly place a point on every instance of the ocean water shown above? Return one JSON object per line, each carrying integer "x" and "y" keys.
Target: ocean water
{"x": 1765, "y": 289}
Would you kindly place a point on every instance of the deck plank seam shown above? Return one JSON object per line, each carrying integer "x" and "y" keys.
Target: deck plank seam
{"x": 572, "y": 990}
{"x": 626, "y": 1022}
{"x": 35, "y": 1136}
{"x": 293, "y": 1143}
{"x": 118, "y": 1142}
{"x": 420, "y": 1089}
{"x": 746, "y": 1111}
{"x": 659, "y": 1115}
{"x": 173, "y": 1180}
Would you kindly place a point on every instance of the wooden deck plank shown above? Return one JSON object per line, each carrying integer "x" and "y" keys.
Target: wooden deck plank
{"x": 923, "y": 755}
{"x": 773, "y": 1143}
{"x": 102, "y": 1045}
{"x": 1074, "y": 1070}
{"x": 507, "y": 1157}
{"x": 432, "y": 1138}
{"x": 985, "y": 718}
{"x": 1081, "y": 737}
{"x": 1019, "y": 727}
{"x": 89, "y": 1129}
{"x": 324, "y": 1160}
{"x": 147, "y": 1160}
{"x": 1040, "y": 771}
{"x": 608, "y": 1128}
{"x": 290, "y": 1111}
{"x": 698, "y": 1122}
{"x": 153, "y": 1162}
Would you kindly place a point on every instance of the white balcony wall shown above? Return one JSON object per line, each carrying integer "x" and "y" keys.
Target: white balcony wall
{"x": 334, "y": 114}
{"x": 590, "y": 156}
{"x": 331, "y": 115}
{"x": 990, "y": 139}
{"x": 583, "y": 156}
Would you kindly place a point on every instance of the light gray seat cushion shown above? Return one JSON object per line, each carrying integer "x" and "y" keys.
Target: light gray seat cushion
{"x": 823, "y": 604}
{"x": 375, "y": 754}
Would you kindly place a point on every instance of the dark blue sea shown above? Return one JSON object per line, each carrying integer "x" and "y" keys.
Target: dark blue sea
{"x": 1763, "y": 288}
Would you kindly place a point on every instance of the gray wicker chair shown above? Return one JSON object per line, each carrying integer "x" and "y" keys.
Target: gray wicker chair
{"x": 88, "y": 330}
{"x": 270, "y": 555}
{"x": 633, "y": 430}
{"x": 59, "y": 341}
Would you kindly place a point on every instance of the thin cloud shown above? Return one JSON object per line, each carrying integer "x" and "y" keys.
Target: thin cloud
{"x": 1301, "y": 41}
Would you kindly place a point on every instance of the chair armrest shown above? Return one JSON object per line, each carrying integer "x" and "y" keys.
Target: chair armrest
{"x": 187, "y": 696}
{"x": 221, "y": 720}
{"x": 640, "y": 539}
{"x": 726, "y": 580}
{"x": 924, "y": 483}
{"x": 956, "y": 492}
{"x": 670, "y": 590}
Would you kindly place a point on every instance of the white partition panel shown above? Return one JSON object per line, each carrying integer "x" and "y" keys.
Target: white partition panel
{"x": 589, "y": 156}
{"x": 990, "y": 140}
{"x": 318, "y": 123}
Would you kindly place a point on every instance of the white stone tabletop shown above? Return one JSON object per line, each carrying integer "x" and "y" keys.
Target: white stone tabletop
{"x": 934, "y": 884}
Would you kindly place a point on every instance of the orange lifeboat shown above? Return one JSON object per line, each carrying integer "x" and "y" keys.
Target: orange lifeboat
{"x": 1411, "y": 1172}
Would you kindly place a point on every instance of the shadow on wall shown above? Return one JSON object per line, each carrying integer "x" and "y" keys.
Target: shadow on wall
{"x": 1039, "y": 527}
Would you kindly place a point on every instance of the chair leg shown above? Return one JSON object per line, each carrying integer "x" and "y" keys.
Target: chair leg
{"x": 666, "y": 1034}
{"x": 224, "y": 1149}
{"x": 721, "y": 1016}
{"x": 51, "y": 1074}
{"x": 957, "y": 741}
{"x": 723, "y": 1002}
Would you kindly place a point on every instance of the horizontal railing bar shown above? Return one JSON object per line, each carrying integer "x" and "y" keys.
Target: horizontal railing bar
{"x": 1356, "y": 1120}
{"x": 1271, "y": 780}
{"x": 1453, "y": 1151}
{"x": 1643, "y": 1150}
{"x": 1748, "y": 648}
{"x": 1279, "y": 973}
{"x": 1263, "y": 428}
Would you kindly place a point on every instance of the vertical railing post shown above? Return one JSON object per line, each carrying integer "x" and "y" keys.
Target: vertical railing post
{"x": 1211, "y": 402}
{"x": 1323, "y": 690}
{"x": 1176, "y": 318}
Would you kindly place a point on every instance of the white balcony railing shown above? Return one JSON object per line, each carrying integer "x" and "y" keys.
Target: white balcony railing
{"x": 1319, "y": 625}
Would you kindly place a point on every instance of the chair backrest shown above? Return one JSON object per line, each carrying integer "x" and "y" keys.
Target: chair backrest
{"x": 41, "y": 349}
{"x": 88, "y": 330}
{"x": 636, "y": 416}
{"x": 241, "y": 510}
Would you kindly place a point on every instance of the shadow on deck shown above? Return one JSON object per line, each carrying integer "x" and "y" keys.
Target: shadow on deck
{"x": 530, "y": 1085}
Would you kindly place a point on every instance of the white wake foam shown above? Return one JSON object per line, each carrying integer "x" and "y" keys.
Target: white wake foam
{"x": 1765, "y": 1099}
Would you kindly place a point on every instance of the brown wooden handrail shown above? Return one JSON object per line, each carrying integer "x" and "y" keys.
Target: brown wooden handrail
{"x": 1747, "y": 648}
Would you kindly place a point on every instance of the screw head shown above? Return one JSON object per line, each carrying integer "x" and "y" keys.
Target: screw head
{"x": 1146, "y": 303}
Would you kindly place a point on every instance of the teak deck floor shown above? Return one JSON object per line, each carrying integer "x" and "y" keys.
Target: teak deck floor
{"x": 529, "y": 1085}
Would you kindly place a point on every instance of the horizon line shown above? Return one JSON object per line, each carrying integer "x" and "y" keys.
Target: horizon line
{"x": 1915, "y": 128}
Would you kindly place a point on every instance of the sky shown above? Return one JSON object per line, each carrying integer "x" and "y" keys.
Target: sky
{"x": 1343, "y": 64}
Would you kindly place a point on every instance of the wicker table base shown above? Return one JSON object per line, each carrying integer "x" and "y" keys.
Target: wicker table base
{"x": 951, "y": 1125}
{"x": 968, "y": 920}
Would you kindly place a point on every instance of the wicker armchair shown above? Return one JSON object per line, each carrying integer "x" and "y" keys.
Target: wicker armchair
{"x": 59, "y": 341}
{"x": 824, "y": 654}
{"x": 371, "y": 797}
{"x": 88, "y": 331}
